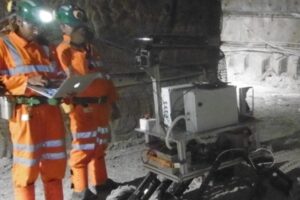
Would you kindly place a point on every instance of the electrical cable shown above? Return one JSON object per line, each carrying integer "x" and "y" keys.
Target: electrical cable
{"x": 250, "y": 159}
{"x": 216, "y": 164}
{"x": 227, "y": 151}
{"x": 178, "y": 98}
{"x": 167, "y": 141}
{"x": 266, "y": 150}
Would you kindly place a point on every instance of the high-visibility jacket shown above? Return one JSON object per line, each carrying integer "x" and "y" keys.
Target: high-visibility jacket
{"x": 81, "y": 62}
{"x": 88, "y": 123}
{"x": 37, "y": 137}
{"x": 17, "y": 63}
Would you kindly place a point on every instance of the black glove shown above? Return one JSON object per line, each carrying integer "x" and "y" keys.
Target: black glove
{"x": 2, "y": 89}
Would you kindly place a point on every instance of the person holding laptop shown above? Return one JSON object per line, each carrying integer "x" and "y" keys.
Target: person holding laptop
{"x": 92, "y": 109}
{"x": 37, "y": 131}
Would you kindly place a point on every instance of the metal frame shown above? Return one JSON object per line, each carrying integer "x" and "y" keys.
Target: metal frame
{"x": 181, "y": 139}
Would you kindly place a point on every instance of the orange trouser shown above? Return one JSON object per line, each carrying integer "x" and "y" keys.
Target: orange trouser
{"x": 38, "y": 148}
{"x": 97, "y": 176}
{"x": 87, "y": 158}
{"x": 97, "y": 167}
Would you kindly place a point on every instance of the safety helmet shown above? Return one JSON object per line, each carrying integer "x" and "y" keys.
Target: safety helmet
{"x": 33, "y": 11}
{"x": 71, "y": 15}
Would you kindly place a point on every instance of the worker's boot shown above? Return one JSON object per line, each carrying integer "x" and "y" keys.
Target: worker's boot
{"x": 105, "y": 189}
{"x": 89, "y": 195}
{"x": 24, "y": 193}
{"x": 84, "y": 195}
{"x": 78, "y": 196}
{"x": 53, "y": 190}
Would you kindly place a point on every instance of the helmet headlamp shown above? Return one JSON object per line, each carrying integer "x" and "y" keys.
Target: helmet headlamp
{"x": 45, "y": 16}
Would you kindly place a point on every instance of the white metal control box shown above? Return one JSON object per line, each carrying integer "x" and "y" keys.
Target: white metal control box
{"x": 172, "y": 101}
{"x": 210, "y": 108}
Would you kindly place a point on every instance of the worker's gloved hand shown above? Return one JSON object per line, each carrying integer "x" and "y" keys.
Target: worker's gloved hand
{"x": 2, "y": 88}
{"x": 38, "y": 80}
{"x": 80, "y": 36}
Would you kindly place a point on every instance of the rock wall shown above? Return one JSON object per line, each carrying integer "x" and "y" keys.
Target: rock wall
{"x": 117, "y": 23}
{"x": 261, "y": 41}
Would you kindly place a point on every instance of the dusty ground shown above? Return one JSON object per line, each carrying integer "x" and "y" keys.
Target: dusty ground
{"x": 277, "y": 113}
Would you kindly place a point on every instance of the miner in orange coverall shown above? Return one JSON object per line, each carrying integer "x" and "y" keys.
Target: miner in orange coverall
{"x": 37, "y": 135}
{"x": 91, "y": 110}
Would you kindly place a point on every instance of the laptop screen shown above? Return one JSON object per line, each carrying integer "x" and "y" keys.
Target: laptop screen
{"x": 72, "y": 85}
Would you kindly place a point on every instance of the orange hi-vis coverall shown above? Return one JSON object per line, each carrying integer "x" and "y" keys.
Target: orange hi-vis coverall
{"x": 37, "y": 132}
{"x": 89, "y": 123}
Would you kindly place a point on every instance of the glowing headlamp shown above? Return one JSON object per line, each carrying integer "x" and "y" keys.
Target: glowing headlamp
{"x": 45, "y": 16}
{"x": 145, "y": 39}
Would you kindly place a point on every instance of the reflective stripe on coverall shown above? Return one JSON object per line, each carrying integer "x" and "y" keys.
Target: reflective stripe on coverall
{"x": 87, "y": 152}
{"x": 37, "y": 137}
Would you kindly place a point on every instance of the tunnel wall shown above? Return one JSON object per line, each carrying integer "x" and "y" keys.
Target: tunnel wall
{"x": 117, "y": 23}
{"x": 261, "y": 41}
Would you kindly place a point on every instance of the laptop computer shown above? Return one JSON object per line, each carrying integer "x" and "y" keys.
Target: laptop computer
{"x": 71, "y": 85}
